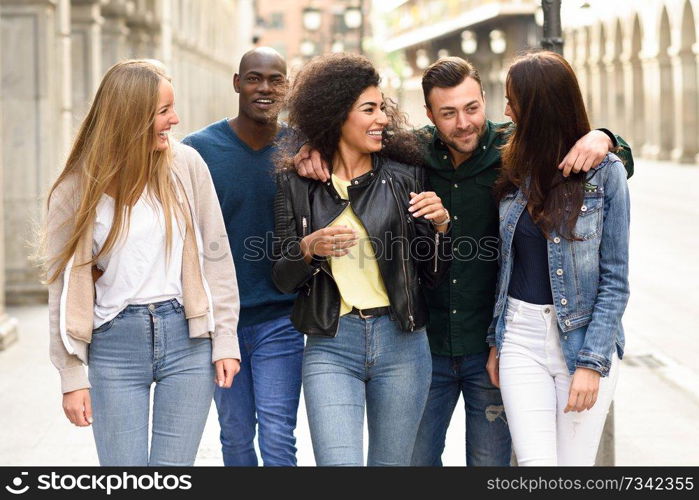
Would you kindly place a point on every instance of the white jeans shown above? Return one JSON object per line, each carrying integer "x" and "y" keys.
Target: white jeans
{"x": 535, "y": 383}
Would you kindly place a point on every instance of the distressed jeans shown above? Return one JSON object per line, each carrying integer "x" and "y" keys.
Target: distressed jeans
{"x": 487, "y": 434}
{"x": 371, "y": 363}
{"x": 535, "y": 383}
{"x": 265, "y": 394}
{"x": 145, "y": 345}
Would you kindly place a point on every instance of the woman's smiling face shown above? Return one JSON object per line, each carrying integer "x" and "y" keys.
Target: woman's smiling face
{"x": 365, "y": 124}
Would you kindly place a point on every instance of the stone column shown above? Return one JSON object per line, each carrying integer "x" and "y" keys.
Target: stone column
{"x": 684, "y": 67}
{"x": 36, "y": 127}
{"x": 652, "y": 88}
{"x": 86, "y": 51}
{"x": 614, "y": 85}
{"x": 597, "y": 87}
{"x": 142, "y": 28}
{"x": 114, "y": 32}
{"x": 8, "y": 326}
{"x": 634, "y": 105}
{"x": 166, "y": 33}
{"x": 579, "y": 38}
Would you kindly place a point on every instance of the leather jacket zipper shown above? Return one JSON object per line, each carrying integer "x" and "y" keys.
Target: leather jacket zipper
{"x": 405, "y": 270}
{"x": 436, "y": 249}
{"x": 304, "y": 224}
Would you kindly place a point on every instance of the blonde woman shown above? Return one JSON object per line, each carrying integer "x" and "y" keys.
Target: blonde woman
{"x": 141, "y": 279}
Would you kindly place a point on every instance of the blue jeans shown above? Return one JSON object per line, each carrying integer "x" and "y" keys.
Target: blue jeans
{"x": 266, "y": 392}
{"x": 370, "y": 361}
{"x": 487, "y": 434}
{"x": 144, "y": 344}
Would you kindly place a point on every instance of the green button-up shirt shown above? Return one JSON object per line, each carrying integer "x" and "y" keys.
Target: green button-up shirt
{"x": 461, "y": 308}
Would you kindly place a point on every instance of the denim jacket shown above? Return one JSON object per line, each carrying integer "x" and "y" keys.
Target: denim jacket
{"x": 589, "y": 278}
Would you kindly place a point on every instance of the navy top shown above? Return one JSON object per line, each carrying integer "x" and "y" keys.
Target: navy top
{"x": 530, "y": 266}
{"x": 245, "y": 185}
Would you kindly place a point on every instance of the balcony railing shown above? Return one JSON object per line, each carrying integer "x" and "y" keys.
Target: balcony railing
{"x": 419, "y": 20}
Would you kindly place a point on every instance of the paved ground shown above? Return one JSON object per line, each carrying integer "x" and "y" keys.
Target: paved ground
{"x": 657, "y": 397}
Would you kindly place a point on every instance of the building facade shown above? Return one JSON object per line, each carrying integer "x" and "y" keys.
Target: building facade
{"x": 637, "y": 66}
{"x": 53, "y": 54}
{"x": 301, "y": 29}
{"x": 488, "y": 33}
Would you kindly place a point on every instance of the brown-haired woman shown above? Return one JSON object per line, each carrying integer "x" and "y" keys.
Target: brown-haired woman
{"x": 130, "y": 286}
{"x": 563, "y": 284}
{"x": 356, "y": 249}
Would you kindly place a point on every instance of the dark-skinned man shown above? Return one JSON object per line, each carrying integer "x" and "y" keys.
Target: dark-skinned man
{"x": 239, "y": 153}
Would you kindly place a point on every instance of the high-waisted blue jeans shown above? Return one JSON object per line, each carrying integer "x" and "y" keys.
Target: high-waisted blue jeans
{"x": 142, "y": 345}
{"x": 370, "y": 361}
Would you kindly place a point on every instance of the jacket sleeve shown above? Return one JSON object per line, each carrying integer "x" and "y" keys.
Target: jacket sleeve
{"x": 219, "y": 268}
{"x": 428, "y": 242}
{"x": 622, "y": 149}
{"x": 613, "y": 288}
{"x": 290, "y": 271}
{"x": 58, "y": 230}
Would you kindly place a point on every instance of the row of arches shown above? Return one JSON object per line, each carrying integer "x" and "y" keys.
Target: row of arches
{"x": 639, "y": 76}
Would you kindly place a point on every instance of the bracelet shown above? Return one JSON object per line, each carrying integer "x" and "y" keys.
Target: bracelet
{"x": 445, "y": 221}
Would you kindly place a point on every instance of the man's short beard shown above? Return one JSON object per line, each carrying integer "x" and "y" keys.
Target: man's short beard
{"x": 456, "y": 147}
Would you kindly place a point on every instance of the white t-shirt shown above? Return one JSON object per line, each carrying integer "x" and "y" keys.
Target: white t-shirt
{"x": 136, "y": 270}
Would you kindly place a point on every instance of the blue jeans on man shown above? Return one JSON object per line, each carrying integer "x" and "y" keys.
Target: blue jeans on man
{"x": 488, "y": 440}
{"x": 265, "y": 392}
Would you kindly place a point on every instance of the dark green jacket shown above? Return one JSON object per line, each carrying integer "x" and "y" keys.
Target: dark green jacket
{"x": 461, "y": 308}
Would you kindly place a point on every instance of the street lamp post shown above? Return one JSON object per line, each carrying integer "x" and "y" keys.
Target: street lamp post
{"x": 553, "y": 34}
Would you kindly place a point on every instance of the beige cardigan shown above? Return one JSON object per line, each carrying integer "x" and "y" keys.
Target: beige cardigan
{"x": 209, "y": 285}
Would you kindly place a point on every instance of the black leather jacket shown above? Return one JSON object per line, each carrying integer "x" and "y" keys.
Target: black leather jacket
{"x": 408, "y": 250}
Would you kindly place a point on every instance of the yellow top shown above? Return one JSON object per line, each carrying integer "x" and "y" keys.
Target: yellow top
{"x": 357, "y": 273}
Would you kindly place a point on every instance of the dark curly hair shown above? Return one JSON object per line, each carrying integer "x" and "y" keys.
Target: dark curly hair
{"x": 320, "y": 101}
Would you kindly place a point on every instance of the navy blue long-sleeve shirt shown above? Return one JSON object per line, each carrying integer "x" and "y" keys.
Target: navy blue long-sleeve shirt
{"x": 245, "y": 185}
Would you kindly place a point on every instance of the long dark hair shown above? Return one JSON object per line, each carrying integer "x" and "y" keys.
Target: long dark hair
{"x": 550, "y": 117}
{"x": 319, "y": 103}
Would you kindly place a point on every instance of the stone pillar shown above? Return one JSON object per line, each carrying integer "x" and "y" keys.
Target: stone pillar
{"x": 580, "y": 64}
{"x": 651, "y": 89}
{"x": 36, "y": 127}
{"x": 634, "y": 105}
{"x": 86, "y": 52}
{"x": 684, "y": 67}
{"x": 8, "y": 326}
{"x": 166, "y": 22}
{"x": 597, "y": 84}
{"x": 114, "y": 32}
{"x": 142, "y": 28}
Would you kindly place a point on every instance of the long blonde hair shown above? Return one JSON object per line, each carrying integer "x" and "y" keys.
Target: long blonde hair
{"x": 114, "y": 147}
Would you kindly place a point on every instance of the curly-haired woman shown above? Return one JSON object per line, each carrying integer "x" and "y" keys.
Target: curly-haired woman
{"x": 133, "y": 285}
{"x": 563, "y": 282}
{"x": 356, "y": 249}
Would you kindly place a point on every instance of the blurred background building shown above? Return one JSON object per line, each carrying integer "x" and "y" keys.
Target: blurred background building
{"x": 301, "y": 29}
{"x": 53, "y": 54}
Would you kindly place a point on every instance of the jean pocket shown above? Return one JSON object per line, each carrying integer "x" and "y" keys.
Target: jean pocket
{"x": 511, "y": 317}
{"x": 105, "y": 327}
{"x": 589, "y": 221}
